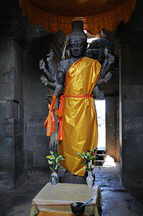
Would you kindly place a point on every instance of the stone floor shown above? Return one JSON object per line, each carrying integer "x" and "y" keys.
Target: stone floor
{"x": 116, "y": 201}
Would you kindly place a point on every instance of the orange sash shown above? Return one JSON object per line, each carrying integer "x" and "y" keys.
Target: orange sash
{"x": 49, "y": 123}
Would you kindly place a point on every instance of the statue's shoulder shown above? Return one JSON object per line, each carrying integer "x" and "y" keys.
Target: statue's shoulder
{"x": 92, "y": 60}
{"x": 64, "y": 64}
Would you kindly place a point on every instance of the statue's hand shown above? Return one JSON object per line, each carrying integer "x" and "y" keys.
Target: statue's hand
{"x": 50, "y": 56}
{"x": 107, "y": 77}
{"x": 106, "y": 52}
{"x": 111, "y": 58}
{"x": 48, "y": 66}
{"x": 44, "y": 80}
{"x": 42, "y": 64}
{"x": 97, "y": 93}
{"x": 108, "y": 56}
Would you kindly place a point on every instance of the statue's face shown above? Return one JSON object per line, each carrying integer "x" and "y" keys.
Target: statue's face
{"x": 77, "y": 47}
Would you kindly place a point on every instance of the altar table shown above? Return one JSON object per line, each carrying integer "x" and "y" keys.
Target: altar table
{"x": 55, "y": 200}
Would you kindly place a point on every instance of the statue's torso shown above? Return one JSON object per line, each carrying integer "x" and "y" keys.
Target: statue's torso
{"x": 81, "y": 76}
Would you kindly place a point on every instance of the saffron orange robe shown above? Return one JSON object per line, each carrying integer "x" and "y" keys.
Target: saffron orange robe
{"x": 80, "y": 132}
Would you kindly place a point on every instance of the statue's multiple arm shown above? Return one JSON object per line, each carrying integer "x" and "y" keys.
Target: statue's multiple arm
{"x": 48, "y": 66}
{"x": 60, "y": 77}
{"x": 105, "y": 74}
{"x": 109, "y": 59}
{"x": 54, "y": 75}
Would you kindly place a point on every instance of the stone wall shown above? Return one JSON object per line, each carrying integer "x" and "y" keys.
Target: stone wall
{"x": 132, "y": 102}
{"x": 132, "y": 148}
{"x": 35, "y": 111}
{"x": 11, "y": 129}
{"x": 35, "y": 97}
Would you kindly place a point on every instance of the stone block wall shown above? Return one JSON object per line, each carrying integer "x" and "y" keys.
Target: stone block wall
{"x": 35, "y": 96}
{"x": 11, "y": 128}
{"x": 35, "y": 111}
{"x": 132, "y": 106}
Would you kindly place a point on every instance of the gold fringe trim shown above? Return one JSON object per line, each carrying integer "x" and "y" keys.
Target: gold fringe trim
{"x": 108, "y": 20}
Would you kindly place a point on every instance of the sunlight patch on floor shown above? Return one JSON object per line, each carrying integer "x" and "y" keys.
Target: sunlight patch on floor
{"x": 109, "y": 161}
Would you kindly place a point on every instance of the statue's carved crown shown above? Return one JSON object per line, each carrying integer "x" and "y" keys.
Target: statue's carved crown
{"x": 77, "y": 31}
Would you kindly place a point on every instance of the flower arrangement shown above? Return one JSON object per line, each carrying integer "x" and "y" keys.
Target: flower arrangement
{"x": 54, "y": 163}
{"x": 54, "y": 160}
{"x": 89, "y": 158}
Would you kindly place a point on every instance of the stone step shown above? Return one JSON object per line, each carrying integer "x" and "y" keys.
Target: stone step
{"x": 99, "y": 160}
{"x": 101, "y": 154}
{"x": 100, "y": 157}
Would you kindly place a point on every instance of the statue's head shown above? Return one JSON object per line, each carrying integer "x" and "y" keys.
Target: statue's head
{"x": 77, "y": 40}
{"x": 97, "y": 49}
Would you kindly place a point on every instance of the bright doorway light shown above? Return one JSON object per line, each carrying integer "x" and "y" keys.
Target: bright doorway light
{"x": 101, "y": 118}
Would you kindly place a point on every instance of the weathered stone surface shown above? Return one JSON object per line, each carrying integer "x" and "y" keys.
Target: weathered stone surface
{"x": 7, "y": 153}
{"x": 133, "y": 161}
{"x": 11, "y": 148}
{"x": 7, "y": 181}
{"x": 134, "y": 126}
{"x": 133, "y": 107}
{"x": 36, "y": 148}
{"x": 132, "y": 104}
{"x": 35, "y": 109}
{"x": 6, "y": 92}
{"x": 35, "y": 127}
{"x": 7, "y": 127}
{"x": 6, "y": 109}
{"x": 19, "y": 156}
{"x": 133, "y": 92}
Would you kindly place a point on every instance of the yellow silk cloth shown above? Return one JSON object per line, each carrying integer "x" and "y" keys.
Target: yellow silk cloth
{"x": 80, "y": 132}
{"x": 96, "y": 15}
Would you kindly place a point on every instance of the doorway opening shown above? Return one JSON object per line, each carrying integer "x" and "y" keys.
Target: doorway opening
{"x": 101, "y": 119}
{"x": 103, "y": 159}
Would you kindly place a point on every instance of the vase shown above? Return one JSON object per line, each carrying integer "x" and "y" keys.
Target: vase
{"x": 54, "y": 178}
{"x": 90, "y": 179}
